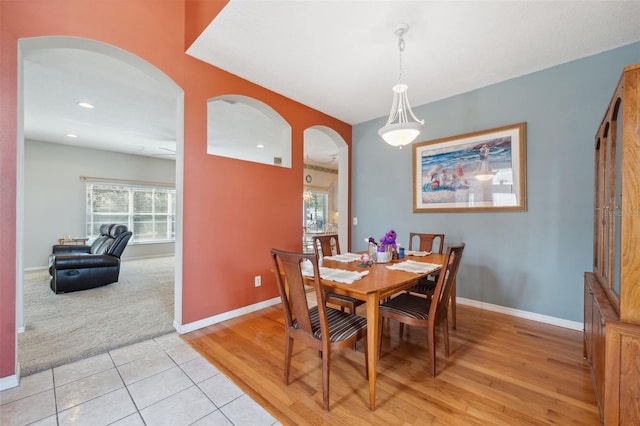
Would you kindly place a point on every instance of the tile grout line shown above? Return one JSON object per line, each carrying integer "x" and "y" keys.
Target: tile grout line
{"x": 55, "y": 396}
{"x": 165, "y": 348}
{"x": 128, "y": 392}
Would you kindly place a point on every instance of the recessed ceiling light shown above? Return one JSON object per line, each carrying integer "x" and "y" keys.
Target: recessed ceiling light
{"x": 71, "y": 135}
{"x": 259, "y": 146}
{"x": 86, "y": 105}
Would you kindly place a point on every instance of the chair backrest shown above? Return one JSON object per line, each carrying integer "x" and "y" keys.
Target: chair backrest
{"x": 326, "y": 245}
{"x": 112, "y": 240}
{"x": 119, "y": 243}
{"x": 98, "y": 243}
{"x": 291, "y": 285}
{"x": 446, "y": 280}
{"x": 426, "y": 242}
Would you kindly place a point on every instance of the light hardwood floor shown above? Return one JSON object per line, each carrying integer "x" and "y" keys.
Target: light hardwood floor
{"x": 501, "y": 370}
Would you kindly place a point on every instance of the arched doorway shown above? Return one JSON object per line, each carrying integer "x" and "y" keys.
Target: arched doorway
{"x": 111, "y": 66}
{"x": 326, "y": 191}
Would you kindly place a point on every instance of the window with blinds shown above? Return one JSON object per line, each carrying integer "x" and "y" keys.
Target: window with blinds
{"x": 148, "y": 211}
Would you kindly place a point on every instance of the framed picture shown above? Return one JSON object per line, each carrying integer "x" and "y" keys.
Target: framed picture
{"x": 474, "y": 172}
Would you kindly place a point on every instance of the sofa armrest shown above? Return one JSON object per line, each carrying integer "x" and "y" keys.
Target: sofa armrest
{"x": 67, "y": 249}
{"x": 82, "y": 261}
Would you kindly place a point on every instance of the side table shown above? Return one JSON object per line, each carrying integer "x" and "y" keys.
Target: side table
{"x": 72, "y": 241}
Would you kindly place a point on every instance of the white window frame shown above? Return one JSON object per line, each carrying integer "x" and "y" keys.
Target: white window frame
{"x": 132, "y": 187}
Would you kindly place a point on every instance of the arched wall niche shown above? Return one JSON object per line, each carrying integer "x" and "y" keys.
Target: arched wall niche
{"x": 247, "y": 129}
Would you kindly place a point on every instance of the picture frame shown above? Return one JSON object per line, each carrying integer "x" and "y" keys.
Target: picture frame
{"x": 484, "y": 171}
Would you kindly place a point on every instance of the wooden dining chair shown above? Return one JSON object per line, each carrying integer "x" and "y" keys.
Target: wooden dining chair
{"x": 328, "y": 245}
{"x": 320, "y": 327}
{"x": 416, "y": 310}
{"x": 426, "y": 242}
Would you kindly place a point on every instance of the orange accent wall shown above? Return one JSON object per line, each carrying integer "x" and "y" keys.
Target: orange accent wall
{"x": 234, "y": 211}
{"x": 198, "y": 16}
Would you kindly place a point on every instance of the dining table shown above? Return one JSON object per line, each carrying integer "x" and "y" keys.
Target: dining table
{"x": 379, "y": 283}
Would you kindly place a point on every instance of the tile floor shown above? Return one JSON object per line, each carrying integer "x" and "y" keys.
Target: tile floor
{"x": 162, "y": 381}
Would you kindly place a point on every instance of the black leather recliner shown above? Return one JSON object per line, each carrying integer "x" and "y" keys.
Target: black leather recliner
{"x": 74, "y": 268}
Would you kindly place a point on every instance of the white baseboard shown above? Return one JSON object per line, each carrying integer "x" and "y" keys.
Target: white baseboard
{"x": 574, "y": 325}
{"x": 186, "y": 328}
{"x": 9, "y": 382}
{"x": 35, "y": 268}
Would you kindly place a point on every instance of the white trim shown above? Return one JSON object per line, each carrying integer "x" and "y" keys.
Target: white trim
{"x": 573, "y": 325}
{"x": 177, "y": 249}
{"x": 9, "y": 382}
{"x": 186, "y": 328}
{"x": 36, "y": 268}
{"x": 19, "y": 302}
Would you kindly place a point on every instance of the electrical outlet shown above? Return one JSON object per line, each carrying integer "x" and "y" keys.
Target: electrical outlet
{"x": 257, "y": 280}
{"x": 355, "y": 221}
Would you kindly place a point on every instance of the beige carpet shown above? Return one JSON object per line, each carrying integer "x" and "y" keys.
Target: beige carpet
{"x": 61, "y": 328}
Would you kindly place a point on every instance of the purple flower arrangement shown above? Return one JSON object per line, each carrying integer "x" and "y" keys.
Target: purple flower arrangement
{"x": 384, "y": 250}
{"x": 388, "y": 241}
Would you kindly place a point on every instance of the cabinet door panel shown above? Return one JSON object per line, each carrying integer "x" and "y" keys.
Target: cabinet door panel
{"x": 598, "y": 348}
{"x": 588, "y": 320}
{"x": 616, "y": 195}
{"x": 604, "y": 272}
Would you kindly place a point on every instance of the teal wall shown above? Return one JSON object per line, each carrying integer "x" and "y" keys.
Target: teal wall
{"x": 531, "y": 261}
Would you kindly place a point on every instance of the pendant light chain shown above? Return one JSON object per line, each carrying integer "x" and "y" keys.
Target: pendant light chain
{"x": 400, "y": 49}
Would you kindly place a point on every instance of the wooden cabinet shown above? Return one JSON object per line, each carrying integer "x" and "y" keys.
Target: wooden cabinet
{"x": 612, "y": 290}
{"x": 598, "y": 314}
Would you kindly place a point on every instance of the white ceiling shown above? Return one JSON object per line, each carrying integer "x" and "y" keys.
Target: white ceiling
{"x": 134, "y": 113}
{"x": 339, "y": 57}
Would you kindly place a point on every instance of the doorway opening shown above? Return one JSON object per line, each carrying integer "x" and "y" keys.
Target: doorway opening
{"x": 325, "y": 194}
{"x": 101, "y": 73}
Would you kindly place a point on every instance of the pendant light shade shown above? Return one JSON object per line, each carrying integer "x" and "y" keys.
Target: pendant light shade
{"x": 400, "y": 130}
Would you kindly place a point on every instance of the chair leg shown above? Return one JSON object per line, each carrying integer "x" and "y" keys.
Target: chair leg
{"x": 401, "y": 330}
{"x": 453, "y": 305}
{"x": 380, "y": 326}
{"x": 288, "y": 350}
{"x": 431, "y": 337}
{"x": 325, "y": 379}
{"x": 352, "y": 310}
{"x": 445, "y": 333}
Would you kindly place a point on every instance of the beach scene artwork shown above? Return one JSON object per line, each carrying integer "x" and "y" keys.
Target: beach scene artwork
{"x": 473, "y": 172}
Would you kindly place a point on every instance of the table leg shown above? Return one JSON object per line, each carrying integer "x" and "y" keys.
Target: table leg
{"x": 373, "y": 313}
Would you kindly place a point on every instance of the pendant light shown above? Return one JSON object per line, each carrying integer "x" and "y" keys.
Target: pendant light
{"x": 399, "y": 131}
